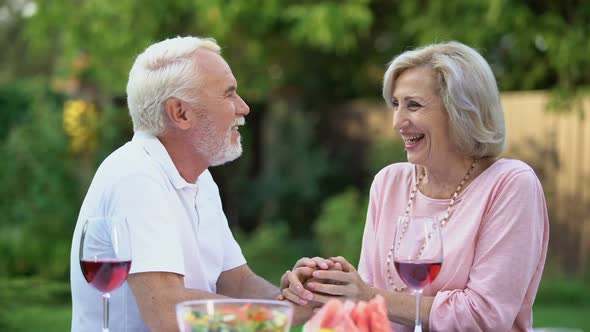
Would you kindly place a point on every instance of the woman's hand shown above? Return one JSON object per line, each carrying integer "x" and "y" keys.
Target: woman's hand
{"x": 302, "y": 271}
{"x": 344, "y": 284}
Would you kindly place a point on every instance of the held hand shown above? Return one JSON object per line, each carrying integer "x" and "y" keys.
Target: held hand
{"x": 346, "y": 284}
{"x": 301, "y": 272}
{"x": 296, "y": 292}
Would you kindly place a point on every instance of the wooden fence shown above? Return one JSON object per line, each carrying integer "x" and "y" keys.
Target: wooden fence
{"x": 557, "y": 144}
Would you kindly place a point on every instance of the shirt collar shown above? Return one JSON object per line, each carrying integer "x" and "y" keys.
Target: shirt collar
{"x": 155, "y": 149}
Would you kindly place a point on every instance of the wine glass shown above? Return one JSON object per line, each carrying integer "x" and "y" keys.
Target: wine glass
{"x": 105, "y": 257}
{"x": 418, "y": 254}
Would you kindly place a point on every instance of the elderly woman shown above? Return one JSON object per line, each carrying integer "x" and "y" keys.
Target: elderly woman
{"x": 446, "y": 108}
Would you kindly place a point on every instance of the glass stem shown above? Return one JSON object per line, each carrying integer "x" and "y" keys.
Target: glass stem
{"x": 105, "y": 311}
{"x": 418, "y": 326}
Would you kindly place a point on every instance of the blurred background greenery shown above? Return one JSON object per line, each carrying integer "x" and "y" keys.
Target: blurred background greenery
{"x": 301, "y": 188}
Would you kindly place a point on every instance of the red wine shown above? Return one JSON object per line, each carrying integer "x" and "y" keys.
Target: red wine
{"x": 105, "y": 274}
{"x": 418, "y": 274}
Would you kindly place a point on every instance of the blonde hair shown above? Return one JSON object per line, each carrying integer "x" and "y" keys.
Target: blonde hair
{"x": 164, "y": 70}
{"x": 468, "y": 91}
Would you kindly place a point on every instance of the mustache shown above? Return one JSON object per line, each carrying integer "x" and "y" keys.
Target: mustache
{"x": 239, "y": 121}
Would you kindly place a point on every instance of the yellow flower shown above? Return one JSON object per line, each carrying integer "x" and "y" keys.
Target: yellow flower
{"x": 79, "y": 122}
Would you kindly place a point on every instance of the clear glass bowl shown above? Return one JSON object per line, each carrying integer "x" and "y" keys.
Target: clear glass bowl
{"x": 234, "y": 315}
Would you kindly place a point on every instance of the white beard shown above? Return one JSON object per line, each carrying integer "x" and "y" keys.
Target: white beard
{"x": 228, "y": 152}
{"x": 218, "y": 151}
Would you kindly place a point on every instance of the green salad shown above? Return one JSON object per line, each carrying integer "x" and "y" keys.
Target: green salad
{"x": 245, "y": 318}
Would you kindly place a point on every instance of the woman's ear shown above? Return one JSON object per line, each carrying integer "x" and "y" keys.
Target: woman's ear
{"x": 177, "y": 113}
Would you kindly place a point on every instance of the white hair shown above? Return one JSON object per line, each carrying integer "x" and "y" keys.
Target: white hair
{"x": 468, "y": 91}
{"x": 166, "y": 69}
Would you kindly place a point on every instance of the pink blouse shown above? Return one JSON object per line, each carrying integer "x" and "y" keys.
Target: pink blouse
{"x": 495, "y": 244}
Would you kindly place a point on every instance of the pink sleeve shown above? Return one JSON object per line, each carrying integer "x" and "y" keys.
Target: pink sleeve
{"x": 365, "y": 268}
{"x": 507, "y": 253}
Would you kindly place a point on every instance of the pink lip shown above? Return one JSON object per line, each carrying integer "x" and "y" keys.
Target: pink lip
{"x": 412, "y": 146}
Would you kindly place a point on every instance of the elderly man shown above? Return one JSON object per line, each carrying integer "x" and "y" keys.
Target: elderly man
{"x": 183, "y": 101}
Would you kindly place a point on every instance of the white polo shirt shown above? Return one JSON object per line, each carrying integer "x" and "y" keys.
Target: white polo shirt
{"x": 175, "y": 227}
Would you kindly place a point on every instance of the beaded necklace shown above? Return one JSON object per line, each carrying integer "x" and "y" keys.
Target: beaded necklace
{"x": 443, "y": 221}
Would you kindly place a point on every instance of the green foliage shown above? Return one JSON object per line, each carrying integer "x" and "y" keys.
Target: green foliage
{"x": 94, "y": 28}
{"x": 328, "y": 25}
{"x": 339, "y": 227}
{"x": 555, "y": 291}
{"x": 33, "y": 304}
{"x": 14, "y": 99}
{"x": 34, "y": 290}
{"x": 340, "y": 224}
{"x": 43, "y": 183}
{"x": 261, "y": 38}
{"x": 564, "y": 316}
{"x": 270, "y": 251}
{"x": 38, "y": 192}
{"x": 276, "y": 44}
{"x": 288, "y": 185}
{"x": 113, "y": 130}
{"x": 384, "y": 152}
{"x": 530, "y": 45}
{"x": 562, "y": 302}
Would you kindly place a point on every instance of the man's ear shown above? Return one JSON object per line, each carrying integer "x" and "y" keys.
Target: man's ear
{"x": 178, "y": 113}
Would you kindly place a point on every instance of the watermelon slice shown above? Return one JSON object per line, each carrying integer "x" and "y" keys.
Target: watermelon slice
{"x": 351, "y": 317}
{"x": 332, "y": 316}
{"x": 360, "y": 316}
{"x": 378, "y": 315}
